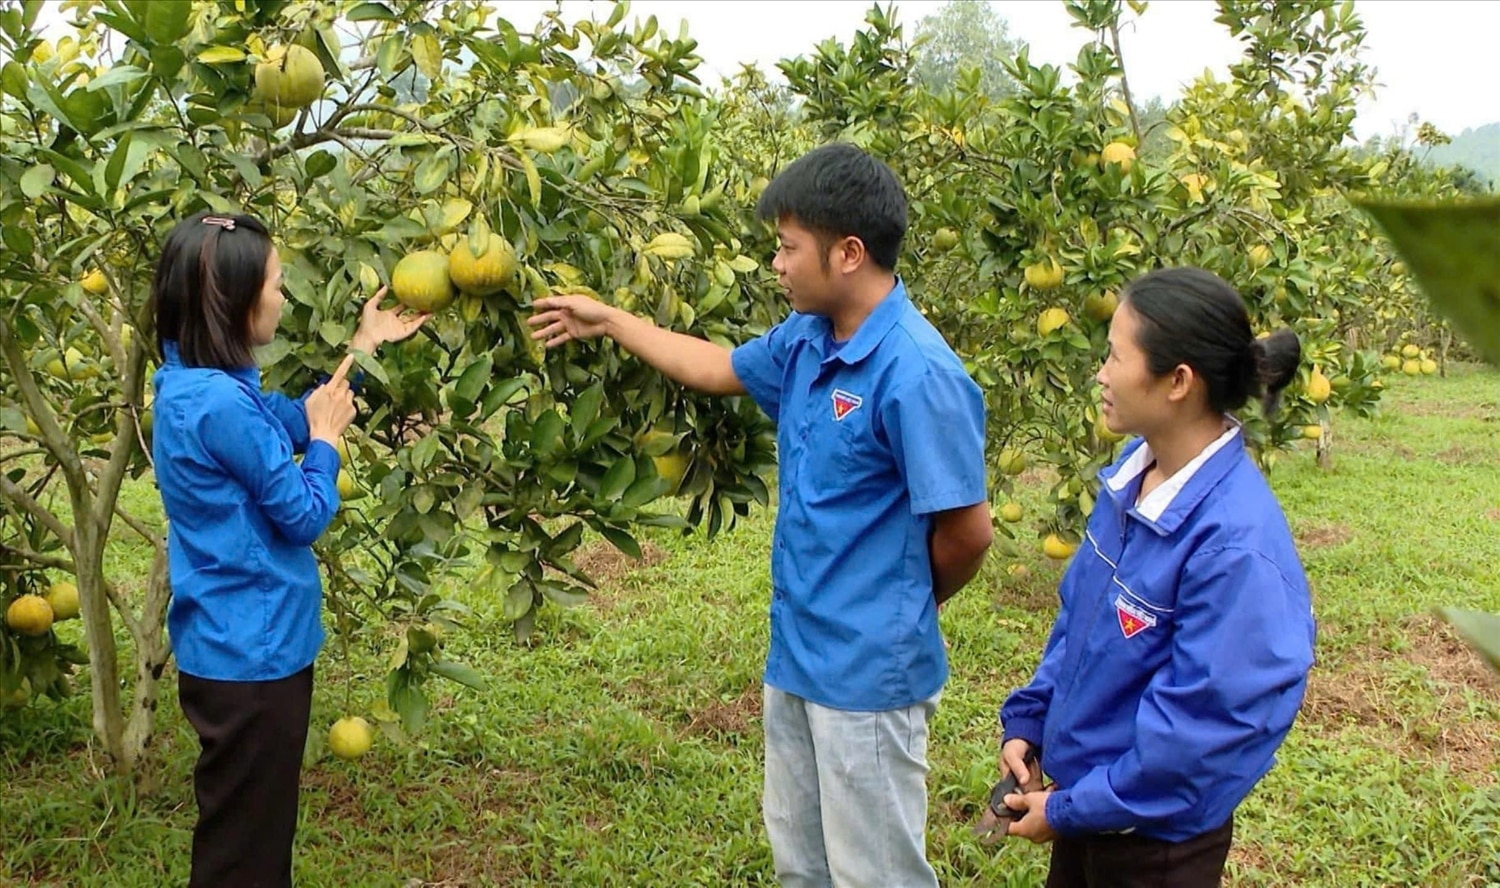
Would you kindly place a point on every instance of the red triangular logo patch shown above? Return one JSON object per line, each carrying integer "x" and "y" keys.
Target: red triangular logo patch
{"x": 1133, "y": 620}
{"x": 845, "y": 403}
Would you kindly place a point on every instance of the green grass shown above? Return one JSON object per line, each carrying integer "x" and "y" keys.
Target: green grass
{"x": 622, "y": 746}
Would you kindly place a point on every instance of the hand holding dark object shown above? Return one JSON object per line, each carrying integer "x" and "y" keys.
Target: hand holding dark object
{"x": 995, "y": 822}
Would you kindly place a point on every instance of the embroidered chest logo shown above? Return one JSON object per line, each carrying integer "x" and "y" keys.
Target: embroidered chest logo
{"x": 845, "y": 403}
{"x": 1133, "y": 620}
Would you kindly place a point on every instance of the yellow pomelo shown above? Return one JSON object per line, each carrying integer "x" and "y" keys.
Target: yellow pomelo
{"x": 486, "y": 274}
{"x": 63, "y": 599}
{"x": 1058, "y": 549}
{"x": 29, "y": 615}
{"x": 1052, "y": 319}
{"x": 1120, "y": 153}
{"x": 350, "y": 737}
{"x": 94, "y": 282}
{"x": 290, "y": 77}
{"x": 421, "y": 281}
{"x": 1046, "y": 275}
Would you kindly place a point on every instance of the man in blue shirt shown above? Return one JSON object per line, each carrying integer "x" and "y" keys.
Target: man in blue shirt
{"x": 883, "y": 514}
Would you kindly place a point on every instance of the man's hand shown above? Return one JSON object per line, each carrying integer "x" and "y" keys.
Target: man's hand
{"x": 561, "y": 319}
{"x": 1034, "y": 826}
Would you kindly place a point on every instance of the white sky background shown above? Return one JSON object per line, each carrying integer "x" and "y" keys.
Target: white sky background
{"x": 1433, "y": 57}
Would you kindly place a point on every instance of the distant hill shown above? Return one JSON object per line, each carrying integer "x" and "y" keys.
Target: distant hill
{"x": 1478, "y": 149}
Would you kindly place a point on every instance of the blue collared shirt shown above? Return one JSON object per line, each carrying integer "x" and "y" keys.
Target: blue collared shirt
{"x": 242, "y": 517}
{"x": 874, "y": 436}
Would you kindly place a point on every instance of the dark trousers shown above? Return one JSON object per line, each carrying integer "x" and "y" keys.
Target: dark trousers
{"x": 1131, "y": 861}
{"x": 246, "y": 781}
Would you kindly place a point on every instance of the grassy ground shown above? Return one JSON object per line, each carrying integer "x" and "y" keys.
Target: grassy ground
{"x": 623, "y": 746}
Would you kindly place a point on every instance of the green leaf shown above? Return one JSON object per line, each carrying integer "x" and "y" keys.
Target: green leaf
{"x": 471, "y": 383}
{"x": 500, "y": 394}
{"x": 464, "y": 675}
{"x": 533, "y": 179}
{"x": 622, "y": 541}
{"x": 564, "y": 596}
{"x": 643, "y": 491}
{"x": 120, "y": 74}
{"x": 167, "y": 20}
{"x": 406, "y": 698}
{"x": 332, "y": 332}
{"x": 36, "y": 181}
{"x": 222, "y": 55}
{"x": 13, "y": 79}
{"x": 546, "y": 434}
{"x": 432, "y": 173}
{"x": 619, "y": 478}
{"x": 1453, "y": 251}
{"x": 586, "y": 408}
{"x": 1481, "y": 630}
{"x": 371, "y": 12}
{"x": 517, "y": 601}
{"x": 320, "y": 163}
{"x": 428, "y": 54}
{"x": 18, "y": 239}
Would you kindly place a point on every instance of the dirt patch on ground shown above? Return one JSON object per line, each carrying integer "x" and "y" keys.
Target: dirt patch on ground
{"x": 607, "y": 566}
{"x": 1484, "y": 411}
{"x": 1320, "y": 536}
{"x": 727, "y": 719}
{"x": 1493, "y": 514}
{"x": 1460, "y": 456}
{"x": 1371, "y": 692}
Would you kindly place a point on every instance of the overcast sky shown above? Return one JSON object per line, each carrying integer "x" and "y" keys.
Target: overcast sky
{"x": 1433, "y": 57}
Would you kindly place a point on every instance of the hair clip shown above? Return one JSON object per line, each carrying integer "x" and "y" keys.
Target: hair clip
{"x": 226, "y": 223}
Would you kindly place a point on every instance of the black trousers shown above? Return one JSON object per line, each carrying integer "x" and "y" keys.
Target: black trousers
{"x": 1131, "y": 861}
{"x": 246, "y": 780}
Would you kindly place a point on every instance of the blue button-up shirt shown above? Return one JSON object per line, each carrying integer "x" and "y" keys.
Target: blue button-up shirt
{"x": 874, "y": 436}
{"x": 242, "y": 517}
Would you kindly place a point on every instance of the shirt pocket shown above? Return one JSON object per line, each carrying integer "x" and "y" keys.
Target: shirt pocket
{"x": 1132, "y": 628}
{"x": 841, "y": 452}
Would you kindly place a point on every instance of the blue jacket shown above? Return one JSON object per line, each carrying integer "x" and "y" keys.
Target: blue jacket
{"x": 242, "y": 517}
{"x": 1180, "y": 653}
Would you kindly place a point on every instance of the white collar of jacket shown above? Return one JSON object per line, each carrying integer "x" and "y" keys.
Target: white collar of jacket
{"x": 1155, "y": 504}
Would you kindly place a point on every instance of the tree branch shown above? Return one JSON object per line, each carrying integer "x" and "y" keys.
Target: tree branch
{"x": 1135, "y": 123}
{"x": 54, "y": 561}
{"x": 140, "y": 527}
{"x": 35, "y": 509}
{"x": 38, "y": 408}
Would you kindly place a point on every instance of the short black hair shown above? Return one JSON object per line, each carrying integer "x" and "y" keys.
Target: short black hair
{"x": 1192, "y": 316}
{"x": 840, "y": 191}
{"x": 210, "y": 276}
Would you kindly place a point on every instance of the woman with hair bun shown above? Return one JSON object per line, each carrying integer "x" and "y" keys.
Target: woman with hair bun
{"x": 1180, "y": 653}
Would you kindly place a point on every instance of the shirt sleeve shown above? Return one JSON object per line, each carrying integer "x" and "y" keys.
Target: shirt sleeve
{"x": 1211, "y": 720}
{"x": 1025, "y": 711}
{"x": 292, "y": 414}
{"x": 935, "y": 424}
{"x": 760, "y": 366}
{"x": 298, "y": 500}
